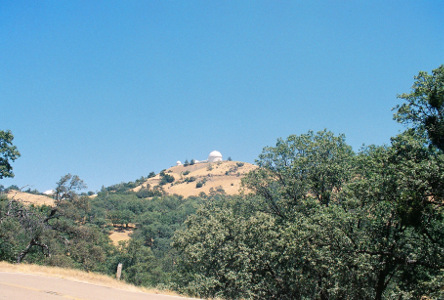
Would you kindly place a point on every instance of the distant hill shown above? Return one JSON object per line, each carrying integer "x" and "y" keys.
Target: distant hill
{"x": 194, "y": 179}
{"x": 28, "y": 198}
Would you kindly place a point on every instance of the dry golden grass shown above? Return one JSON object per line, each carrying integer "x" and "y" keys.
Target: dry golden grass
{"x": 214, "y": 174}
{"x": 29, "y": 199}
{"x": 120, "y": 235}
{"x": 77, "y": 275}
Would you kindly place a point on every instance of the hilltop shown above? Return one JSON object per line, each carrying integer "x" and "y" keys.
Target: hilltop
{"x": 192, "y": 180}
{"x": 29, "y": 198}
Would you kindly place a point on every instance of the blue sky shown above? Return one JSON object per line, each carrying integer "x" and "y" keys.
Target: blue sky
{"x": 112, "y": 90}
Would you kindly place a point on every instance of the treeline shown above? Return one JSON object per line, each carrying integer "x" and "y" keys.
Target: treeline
{"x": 75, "y": 232}
{"x": 321, "y": 222}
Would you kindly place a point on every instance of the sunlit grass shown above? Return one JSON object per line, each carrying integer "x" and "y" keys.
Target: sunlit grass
{"x": 78, "y": 275}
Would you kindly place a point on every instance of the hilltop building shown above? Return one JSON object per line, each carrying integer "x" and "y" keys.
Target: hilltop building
{"x": 214, "y": 156}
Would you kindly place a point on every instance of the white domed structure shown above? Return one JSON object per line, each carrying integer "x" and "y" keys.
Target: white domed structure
{"x": 178, "y": 163}
{"x": 214, "y": 156}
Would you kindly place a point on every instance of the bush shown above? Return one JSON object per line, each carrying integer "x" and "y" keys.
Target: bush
{"x": 145, "y": 193}
{"x": 199, "y": 184}
{"x": 166, "y": 178}
{"x": 191, "y": 179}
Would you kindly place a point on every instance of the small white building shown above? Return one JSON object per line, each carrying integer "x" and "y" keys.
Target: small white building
{"x": 178, "y": 163}
{"x": 214, "y": 156}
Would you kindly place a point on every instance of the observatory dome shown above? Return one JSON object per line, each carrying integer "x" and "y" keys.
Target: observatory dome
{"x": 214, "y": 156}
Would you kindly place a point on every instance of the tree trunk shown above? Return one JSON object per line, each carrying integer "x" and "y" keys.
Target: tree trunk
{"x": 380, "y": 285}
{"x": 32, "y": 243}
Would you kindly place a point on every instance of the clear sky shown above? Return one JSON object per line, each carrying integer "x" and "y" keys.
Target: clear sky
{"x": 112, "y": 90}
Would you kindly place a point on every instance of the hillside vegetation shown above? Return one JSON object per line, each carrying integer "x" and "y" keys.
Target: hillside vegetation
{"x": 317, "y": 220}
{"x": 223, "y": 176}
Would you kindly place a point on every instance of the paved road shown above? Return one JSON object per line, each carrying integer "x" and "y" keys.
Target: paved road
{"x": 19, "y": 286}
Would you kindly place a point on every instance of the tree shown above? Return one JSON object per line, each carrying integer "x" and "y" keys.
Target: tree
{"x": 325, "y": 224}
{"x": 396, "y": 204}
{"x": 67, "y": 187}
{"x": 8, "y": 154}
{"x": 139, "y": 263}
{"x": 227, "y": 250}
{"x": 310, "y": 164}
{"x": 424, "y": 107}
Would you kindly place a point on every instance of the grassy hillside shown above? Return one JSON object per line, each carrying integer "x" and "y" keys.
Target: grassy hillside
{"x": 194, "y": 179}
{"x": 28, "y": 198}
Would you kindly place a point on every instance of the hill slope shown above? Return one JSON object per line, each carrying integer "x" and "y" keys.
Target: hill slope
{"x": 28, "y": 198}
{"x": 224, "y": 175}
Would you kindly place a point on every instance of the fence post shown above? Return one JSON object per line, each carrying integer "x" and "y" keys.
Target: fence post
{"x": 119, "y": 271}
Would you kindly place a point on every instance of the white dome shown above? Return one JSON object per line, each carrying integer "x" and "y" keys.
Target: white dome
{"x": 214, "y": 156}
{"x": 178, "y": 163}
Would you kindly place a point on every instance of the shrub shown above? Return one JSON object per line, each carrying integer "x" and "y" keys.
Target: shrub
{"x": 165, "y": 178}
{"x": 191, "y": 179}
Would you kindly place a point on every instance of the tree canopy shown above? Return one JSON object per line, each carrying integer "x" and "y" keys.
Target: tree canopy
{"x": 8, "y": 153}
{"x": 424, "y": 106}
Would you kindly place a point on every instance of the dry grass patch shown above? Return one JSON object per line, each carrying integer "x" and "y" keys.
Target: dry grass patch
{"x": 78, "y": 275}
{"x": 120, "y": 235}
{"x": 28, "y": 198}
{"x": 226, "y": 175}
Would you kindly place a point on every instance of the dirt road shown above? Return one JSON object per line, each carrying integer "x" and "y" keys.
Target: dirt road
{"x": 20, "y": 286}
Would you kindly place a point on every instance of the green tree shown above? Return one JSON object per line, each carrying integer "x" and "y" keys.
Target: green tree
{"x": 398, "y": 194}
{"x": 139, "y": 263}
{"x": 299, "y": 167}
{"x": 335, "y": 225}
{"x": 67, "y": 186}
{"x": 8, "y": 154}
{"x": 424, "y": 106}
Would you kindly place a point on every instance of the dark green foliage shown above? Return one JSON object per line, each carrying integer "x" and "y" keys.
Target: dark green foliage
{"x": 13, "y": 187}
{"x": 138, "y": 263}
{"x": 325, "y": 224}
{"x": 424, "y": 107}
{"x": 190, "y": 179}
{"x": 8, "y": 154}
{"x": 165, "y": 178}
{"x": 146, "y": 193}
